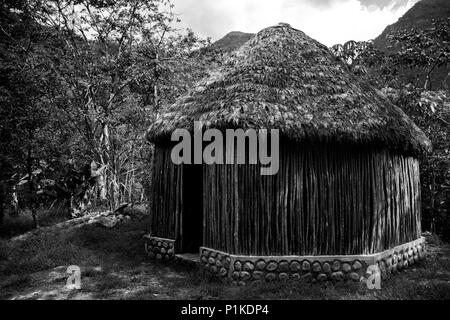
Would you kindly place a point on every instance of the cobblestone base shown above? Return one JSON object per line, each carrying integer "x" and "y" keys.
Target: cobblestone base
{"x": 241, "y": 269}
{"x": 159, "y": 248}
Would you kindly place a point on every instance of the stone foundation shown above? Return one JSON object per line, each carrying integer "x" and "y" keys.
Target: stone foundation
{"x": 159, "y": 248}
{"x": 241, "y": 269}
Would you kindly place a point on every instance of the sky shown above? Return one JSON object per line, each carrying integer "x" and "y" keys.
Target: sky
{"x": 328, "y": 21}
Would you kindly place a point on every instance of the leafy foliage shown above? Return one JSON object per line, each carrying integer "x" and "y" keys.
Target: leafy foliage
{"x": 427, "y": 49}
{"x": 81, "y": 80}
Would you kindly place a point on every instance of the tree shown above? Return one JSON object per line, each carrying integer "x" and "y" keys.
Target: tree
{"x": 426, "y": 49}
{"x": 115, "y": 69}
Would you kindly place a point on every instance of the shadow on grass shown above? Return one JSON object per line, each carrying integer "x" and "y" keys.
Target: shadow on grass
{"x": 113, "y": 267}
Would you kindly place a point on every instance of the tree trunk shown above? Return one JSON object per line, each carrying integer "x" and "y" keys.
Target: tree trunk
{"x": 2, "y": 202}
{"x": 14, "y": 202}
{"x": 432, "y": 201}
{"x": 32, "y": 196}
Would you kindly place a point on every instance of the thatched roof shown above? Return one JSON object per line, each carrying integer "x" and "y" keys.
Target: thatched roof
{"x": 283, "y": 79}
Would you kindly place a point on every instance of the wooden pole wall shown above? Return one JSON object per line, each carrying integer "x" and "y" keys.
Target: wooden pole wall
{"x": 167, "y": 191}
{"x": 325, "y": 200}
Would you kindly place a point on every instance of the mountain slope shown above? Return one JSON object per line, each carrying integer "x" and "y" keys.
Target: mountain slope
{"x": 232, "y": 41}
{"x": 419, "y": 16}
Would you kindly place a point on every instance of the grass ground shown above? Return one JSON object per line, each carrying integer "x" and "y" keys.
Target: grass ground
{"x": 14, "y": 225}
{"x": 113, "y": 267}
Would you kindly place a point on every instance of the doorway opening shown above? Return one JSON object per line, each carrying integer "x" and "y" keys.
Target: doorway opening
{"x": 192, "y": 214}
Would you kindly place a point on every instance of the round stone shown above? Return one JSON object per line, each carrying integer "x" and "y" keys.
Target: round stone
{"x": 295, "y": 276}
{"x": 170, "y": 251}
{"x": 356, "y": 265}
{"x": 219, "y": 256}
{"x": 235, "y": 275}
{"x": 214, "y": 269}
{"x": 354, "y": 276}
{"x": 410, "y": 252}
{"x": 261, "y": 265}
{"x": 248, "y": 266}
{"x": 238, "y": 266}
{"x": 283, "y": 266}
{"x": 322, "y": 277}
{"x": 272, "y": 266}
{"x": 316, "y": 267}
{"x": 405, "y": 264}
{"x": 159, "y": 256}
{"x": 211, "y": 261}
{"x": 416, "y": 258}
{"x": 405, "y": 256}
{"x": 295, "y": 266}
{"x": 226, "y": 262}
{"x": 307, "y": 277}
{"x": 158, "y": 243}
{"x": 326, "y": 267}
{"x": 170, "y": 245}
{"x": 204, "y": 260}
{"x": 205, "y": 253}
{"x": 415, "y": 250}
{"x": 399, "y": 264}
{"x": 270, "y": 276}
{"x": 382, "y": 266}
{"x": 346, "y": 267}
{"x": 337, "y": 276}
{"x": 166, "y": 257}
{"x": 245, "y": 275}
{"x": 388, "y": 262}
{"x": 213, "y": 254}
{"x": 223, "y": 272}
{"x": 306, "y": 266}
{"x": 336, "y": 266}
{"x": 218, "y": 263}
{"x": 257, "y": 275}
{"x": 394, "y": 258}
{"x": 153, "y": 242}
{"x": 163, "y": 250}
{"x": 165, "y": 245}
{"x": 283, "y": 276}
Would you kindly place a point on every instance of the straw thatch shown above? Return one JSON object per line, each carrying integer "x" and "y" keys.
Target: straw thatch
{"x": 283, "y": 79}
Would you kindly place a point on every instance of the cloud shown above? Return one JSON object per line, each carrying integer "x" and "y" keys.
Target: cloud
{"x": 328, "y": 21}
{"x": 381, "y": 4}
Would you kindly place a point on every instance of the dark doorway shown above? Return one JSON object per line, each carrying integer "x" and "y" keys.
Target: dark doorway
{"x": 192, "y": 219}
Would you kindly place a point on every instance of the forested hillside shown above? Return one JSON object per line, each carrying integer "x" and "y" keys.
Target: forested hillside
{"x": 232, "y": 41}
{"x": 419, "y": 19}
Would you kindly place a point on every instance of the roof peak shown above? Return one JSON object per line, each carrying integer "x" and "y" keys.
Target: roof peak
{"x": 284, "y": 24}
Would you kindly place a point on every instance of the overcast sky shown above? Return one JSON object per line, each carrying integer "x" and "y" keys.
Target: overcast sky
{"x": 329, "y": 21}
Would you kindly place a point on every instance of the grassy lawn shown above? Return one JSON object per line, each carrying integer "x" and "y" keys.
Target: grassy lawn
{"x": 113, "y": 266}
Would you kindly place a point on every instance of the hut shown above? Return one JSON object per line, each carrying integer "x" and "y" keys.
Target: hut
{"x": 347, "y": 193}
